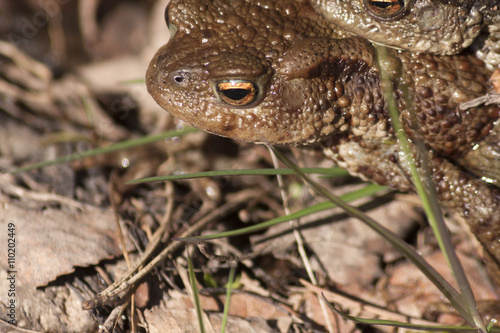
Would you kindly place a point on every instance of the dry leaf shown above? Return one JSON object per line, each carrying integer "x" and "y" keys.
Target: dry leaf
{"x": 53, "y": 242}
{"x": 346, "y": 248}
{"x": 177, "y": 317}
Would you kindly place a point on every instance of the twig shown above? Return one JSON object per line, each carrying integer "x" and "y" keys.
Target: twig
{"x": 202, "y": 246}
{"x": 300, "y": 242}
{"x": 356, "y": 307}
{"x": 129, "y": 279}
{"x": 491, "y": 98}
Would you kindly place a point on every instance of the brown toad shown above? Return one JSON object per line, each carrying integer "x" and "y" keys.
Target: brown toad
{"x": 274, "y": 71}
{"x": 431, "y": 26}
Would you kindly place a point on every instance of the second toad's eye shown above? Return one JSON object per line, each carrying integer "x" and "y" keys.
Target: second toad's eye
{"x": 385, "y": 9}
{"x": 237, "y": 92}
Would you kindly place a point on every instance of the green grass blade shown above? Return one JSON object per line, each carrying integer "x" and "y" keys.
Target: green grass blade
{"x": 490, "y": 327}
{"x": 103, "y": 150}
{"x": 428, "y": 196}
{"x": 368, "y": 190}
{"x": 227, "y": 303}
{"x": 429, "y": 328}
{"x": 196, "y": 295}
{"x": 133, "y": 81}
{"x": 331, "y": 172}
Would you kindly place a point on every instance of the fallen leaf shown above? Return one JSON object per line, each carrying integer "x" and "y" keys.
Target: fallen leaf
{"x": 52, "y": 242}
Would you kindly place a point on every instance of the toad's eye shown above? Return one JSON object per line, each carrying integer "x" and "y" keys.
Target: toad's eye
{"x": 386, "y": 9}
{"x": 237, "y": 92}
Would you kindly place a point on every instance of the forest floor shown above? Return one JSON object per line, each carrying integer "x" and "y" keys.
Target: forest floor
{"x": 71, "y": 80}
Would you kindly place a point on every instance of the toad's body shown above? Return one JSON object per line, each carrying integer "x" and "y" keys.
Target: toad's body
{"x": 274, "y": 71}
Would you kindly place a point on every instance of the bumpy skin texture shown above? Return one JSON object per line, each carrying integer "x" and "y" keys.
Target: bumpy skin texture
{"x": 433, "y": 26}
{"x": 306, "y": 81}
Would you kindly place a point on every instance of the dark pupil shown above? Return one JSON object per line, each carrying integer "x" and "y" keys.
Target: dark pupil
{"x": 381, "y": 4}
{"x": 236, "y": 94}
